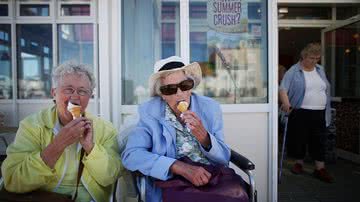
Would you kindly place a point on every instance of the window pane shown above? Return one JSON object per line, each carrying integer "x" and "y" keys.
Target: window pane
{"x": 34, "y": 10}
{"x": 75, "y": 0}
{"x": 4, "y": 11}
{"x": 304, "y": 13}
{"x": 168, "y": 11}
{"x": 34, "y": 1}
{"x": 169, "y": 29}
{"x": 343, "y": 60}
{"x": 232, "y": 53}
{"x": 168, "y": 39}
{"x": 197, "y": 11}
{"x": 5, "y": 62}
{"x": 150, "y": 34}
{"x": 345, "y": 12}
{"x": 76, "y": 42}
{"x": 75, "y": 10}
{"x": 254, "y": 10}
{"x": 34, "y": 60}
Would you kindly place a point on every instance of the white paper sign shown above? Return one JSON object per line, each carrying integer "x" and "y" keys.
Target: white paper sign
{"x": 227, "y": 15}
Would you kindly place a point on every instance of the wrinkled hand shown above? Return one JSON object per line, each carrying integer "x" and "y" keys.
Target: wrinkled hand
{"x": 197, "y": 175}
{"x": 194, "y": 123}
{"x": 68, "y": 135}
{"x": 86, "y": 140}
{"x": 71, "y": 132}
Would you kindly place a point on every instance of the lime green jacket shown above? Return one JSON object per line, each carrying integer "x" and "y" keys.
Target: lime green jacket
{"x": 24, "y": 170}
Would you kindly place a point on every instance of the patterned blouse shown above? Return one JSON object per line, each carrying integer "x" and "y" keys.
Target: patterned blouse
{"x": 186, "y": 143}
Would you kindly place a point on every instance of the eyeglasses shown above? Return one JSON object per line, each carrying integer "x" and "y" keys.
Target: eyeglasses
{"x": 79, "y": 91}
{"x": 314, "y": 58}
{"x": 172, "y": 88}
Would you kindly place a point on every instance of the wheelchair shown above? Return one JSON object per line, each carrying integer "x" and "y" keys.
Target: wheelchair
{"x": 133, "y": 184}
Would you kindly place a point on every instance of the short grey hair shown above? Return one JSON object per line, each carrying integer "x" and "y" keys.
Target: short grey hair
{"x": 311, "y": 49}
{"x": 72, "y": 67}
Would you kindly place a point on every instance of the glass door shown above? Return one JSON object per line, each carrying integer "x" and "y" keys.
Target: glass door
{"x": 341, "y": 44}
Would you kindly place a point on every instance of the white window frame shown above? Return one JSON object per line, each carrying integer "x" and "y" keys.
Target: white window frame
{"x": 54, "y": 20}
{"x": 37, "y": 18}
{"x": 185, "y": 54}
{"x": 92, "y": 5}
{"x": 10, "y": 12}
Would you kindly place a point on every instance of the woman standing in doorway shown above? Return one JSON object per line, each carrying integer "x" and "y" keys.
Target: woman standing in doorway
{"x": 305, "y": 94}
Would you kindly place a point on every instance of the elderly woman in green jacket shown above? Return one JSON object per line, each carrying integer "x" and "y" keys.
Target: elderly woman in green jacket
{"x": 48, "y": 146}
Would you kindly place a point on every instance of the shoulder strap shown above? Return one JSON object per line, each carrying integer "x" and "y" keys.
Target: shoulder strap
{"x": 80, "y": 170}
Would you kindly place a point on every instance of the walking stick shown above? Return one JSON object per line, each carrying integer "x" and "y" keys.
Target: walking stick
{"x": 286, "y": 117}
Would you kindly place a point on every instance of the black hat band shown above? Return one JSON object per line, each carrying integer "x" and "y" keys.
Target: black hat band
{"x": 171, "y": 65}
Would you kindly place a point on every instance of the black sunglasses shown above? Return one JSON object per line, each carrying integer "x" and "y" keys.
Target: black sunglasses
{"x": 172, "y": 88}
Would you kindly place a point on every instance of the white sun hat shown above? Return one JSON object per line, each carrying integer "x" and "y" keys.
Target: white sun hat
{"x": 173, "y": 64}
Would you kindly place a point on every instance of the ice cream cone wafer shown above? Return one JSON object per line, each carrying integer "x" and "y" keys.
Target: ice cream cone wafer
{"x": 182, "y": 106}
{"x": 74, "y": 109}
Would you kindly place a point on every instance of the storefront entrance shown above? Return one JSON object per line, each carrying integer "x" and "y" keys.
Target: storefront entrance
{"x": 341, "y": 43}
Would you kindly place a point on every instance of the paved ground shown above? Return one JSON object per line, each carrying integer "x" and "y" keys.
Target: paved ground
{"x": 306, "y": 188}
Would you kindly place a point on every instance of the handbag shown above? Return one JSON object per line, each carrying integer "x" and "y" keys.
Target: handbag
{"x": 225, "y": 186}
{"x": 41, "y": 195}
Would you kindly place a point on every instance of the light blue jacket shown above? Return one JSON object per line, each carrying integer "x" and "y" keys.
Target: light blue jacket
{"x": 151, "y": 147}
{"x": 294, "y": 84}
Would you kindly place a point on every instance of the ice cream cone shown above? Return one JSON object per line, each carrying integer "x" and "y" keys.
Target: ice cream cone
{"x": 74, "y": 109}
{"x": 182, "y": 106}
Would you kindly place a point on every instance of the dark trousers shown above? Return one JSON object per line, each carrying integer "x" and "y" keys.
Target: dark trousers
{"x": 307, "y": 127}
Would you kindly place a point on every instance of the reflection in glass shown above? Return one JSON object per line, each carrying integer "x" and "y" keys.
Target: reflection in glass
{"x": 35, "y": 0}
{"x": 5, "y": 62}
{"x": 345, "y": 12}
{"x": 75, "y": 0}
{"x": 198, "y": 11}
{"x": 342, "y": 60}
{"x": 305, "y": 13}
{"x": 76, "y": 42}
{"x": 254, "y": 10}
{"x": 34, "y": 60}
{"x": 75, "y": 10}
{"x": 4, "y": 11}
{"x": 168, "y": 29}
{"x": 168, "y": 39}
{"x": 150, "y": 32}
{"x": 34, "y": 10}
{"x": 231, "y": 52}
{"x": 168, "y": 11}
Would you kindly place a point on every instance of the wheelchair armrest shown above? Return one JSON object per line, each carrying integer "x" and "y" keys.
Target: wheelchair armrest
{"x": 241, "y": 161}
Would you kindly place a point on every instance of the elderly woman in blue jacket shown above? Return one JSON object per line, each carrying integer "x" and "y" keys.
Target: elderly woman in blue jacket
{"x": 305, "y": 94}
{"x": 164, "y": 133}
